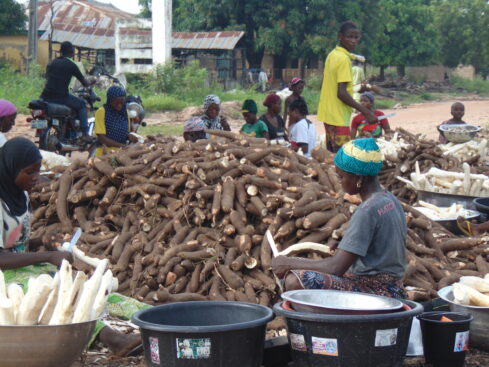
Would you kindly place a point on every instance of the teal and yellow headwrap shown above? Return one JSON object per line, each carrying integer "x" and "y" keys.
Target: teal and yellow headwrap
{"x": 250, "y": 106}
{"x": 360, "y": 157}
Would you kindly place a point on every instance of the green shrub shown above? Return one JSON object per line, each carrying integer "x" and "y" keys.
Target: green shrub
{"x": 162, "y": 102}
{"x": 315, "y": 82}
{"x": 476, "y": 85}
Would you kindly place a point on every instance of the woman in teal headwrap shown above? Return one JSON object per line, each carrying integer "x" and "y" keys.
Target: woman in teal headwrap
{"x": 373, "y": 248}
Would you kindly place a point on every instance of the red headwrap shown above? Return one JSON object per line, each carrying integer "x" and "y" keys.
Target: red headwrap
{"x": 271, "y": 99}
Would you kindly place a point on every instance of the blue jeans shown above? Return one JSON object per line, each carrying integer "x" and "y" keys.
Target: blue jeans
{"x": 77, "y": 104}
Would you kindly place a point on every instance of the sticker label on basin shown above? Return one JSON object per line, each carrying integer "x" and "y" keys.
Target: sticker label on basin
{"x": 193, "y": 348}
{"x": 155, "y": 350}
{"x": 297, "y": 342}
{"x": 385, "y": 338}
{"x": 325, "y": 347}
{"x": 461, "y": 341}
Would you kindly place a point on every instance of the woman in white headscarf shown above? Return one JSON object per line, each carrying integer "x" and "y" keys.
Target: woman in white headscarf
{"x": 211, "y": 118}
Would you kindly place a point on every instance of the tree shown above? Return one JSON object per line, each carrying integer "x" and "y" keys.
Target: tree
{"x": 409, "y": 36}
{"x": 464, "y": 26}
{"x": 12, "y": 17}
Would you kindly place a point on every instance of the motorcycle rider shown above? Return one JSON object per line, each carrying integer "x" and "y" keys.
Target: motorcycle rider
{"x": 58, "y": 75}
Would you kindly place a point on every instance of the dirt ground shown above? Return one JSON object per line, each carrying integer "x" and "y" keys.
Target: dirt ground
{"x": 474, "y": 358}
{"x": 417, "y": 118}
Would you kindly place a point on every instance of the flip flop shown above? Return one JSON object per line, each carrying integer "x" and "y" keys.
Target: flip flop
{"x": 467, "y": 231}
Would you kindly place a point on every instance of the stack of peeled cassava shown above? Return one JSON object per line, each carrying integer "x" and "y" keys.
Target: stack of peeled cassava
{"x": 185, "y": 221}
{"x": 59, "y": 300}
{"x": 410, "y": 154}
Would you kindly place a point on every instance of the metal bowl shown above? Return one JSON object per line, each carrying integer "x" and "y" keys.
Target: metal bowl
{"x": 451, "y": 223}
{"x": 441, "y": 199}
{"x": 479, "y": 337}
{"x": 340, "y": 302}
{"x": 43, "y": 345}
{"x": 459, "y": 133}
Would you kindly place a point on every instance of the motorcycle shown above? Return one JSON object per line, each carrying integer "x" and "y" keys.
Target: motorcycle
{"x": 58, "y": 128}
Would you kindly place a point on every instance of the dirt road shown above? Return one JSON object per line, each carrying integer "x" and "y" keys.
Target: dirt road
{"x": 424, "y": 117}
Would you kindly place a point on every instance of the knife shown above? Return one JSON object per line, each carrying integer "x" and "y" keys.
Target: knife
{"x": 74, "y": 239}
{"x": 272, "y": 243}
{"x": 389, "y": 115}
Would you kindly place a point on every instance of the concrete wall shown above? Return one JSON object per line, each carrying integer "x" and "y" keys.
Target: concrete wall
{"x": 13, "y": 50}
{"x": 437, "y": 72}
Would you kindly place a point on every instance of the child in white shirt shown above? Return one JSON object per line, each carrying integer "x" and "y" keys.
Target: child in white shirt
{"x": 302, "y": 132}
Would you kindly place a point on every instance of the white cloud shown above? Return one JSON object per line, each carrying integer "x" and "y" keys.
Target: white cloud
{"x": 130, "y": 6}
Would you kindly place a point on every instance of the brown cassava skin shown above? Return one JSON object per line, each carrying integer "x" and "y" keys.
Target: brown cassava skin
{"x": 459, "y": 244}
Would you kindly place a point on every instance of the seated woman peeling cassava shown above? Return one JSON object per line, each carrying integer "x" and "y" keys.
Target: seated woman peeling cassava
{"x": 371, "y": 256}
{"x": 20, "y": 164}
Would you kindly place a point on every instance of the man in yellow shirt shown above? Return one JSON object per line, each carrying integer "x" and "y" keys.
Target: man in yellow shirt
{"x": 112, "y": 123}
{"x": 336, "y": 101}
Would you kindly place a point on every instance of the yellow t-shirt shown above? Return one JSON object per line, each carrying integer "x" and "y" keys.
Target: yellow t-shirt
{"x": 337, "y": 69}
{"x": 99, "y": 128}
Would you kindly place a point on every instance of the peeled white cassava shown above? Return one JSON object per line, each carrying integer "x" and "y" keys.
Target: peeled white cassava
{"x": 7, "y": 316}
{"x": 479, "y": 284}
{"x": 48, "y": 308}
{"x": 465, "y": 295}
{"x": 65, "y": 285}
{"x": 102, "y": 295}
{"x": 83, "y": 310}
{"x": 15, "y": 294}
{"x": 33, "y": 301}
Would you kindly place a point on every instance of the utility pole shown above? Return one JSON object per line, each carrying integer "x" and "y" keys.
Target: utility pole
{"x": 162, "y": 30}
{"x": 32, "y": 35}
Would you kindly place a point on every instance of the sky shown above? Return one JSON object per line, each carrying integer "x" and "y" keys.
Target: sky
{"x": 131, "y": 6}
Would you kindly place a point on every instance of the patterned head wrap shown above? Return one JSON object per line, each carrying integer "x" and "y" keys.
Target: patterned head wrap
{"x": 271, "y": 99}
{"x": 7, "y": 108}
{"x": 360, "y": 157}
{"x": 249, "y": 106}
{"x": 370, "y": 96}
{"x": 194, "y": 124}
{"x": 211, "y": 99}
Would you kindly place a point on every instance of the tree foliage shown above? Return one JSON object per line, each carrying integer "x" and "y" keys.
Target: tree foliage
{"x": 12, "y": 17}
{"x": 394, "y": 32}
{"x": 464, "y": 26}
{"x": 409, "y": 36}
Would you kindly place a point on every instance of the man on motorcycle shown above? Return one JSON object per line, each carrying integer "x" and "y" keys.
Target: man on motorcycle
{"x": 58, "y": 75}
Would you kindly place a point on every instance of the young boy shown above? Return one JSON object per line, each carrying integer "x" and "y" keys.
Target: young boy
{"x": 366, "y": 130}
{"x": 302, "y": 132}
{"x": 297, "y": 87}
{"x": 457, "y": 111}
{"x": 253, "y": 127}
{"x": 336, "y": 101}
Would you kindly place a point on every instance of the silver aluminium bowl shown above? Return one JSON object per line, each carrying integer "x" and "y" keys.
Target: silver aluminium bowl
{"x": 340, "y": 302}
{"x": 479, "y": 337}
{"x": 43, "y": 345}
{"x": 451, "y": 223}
{"x": 459, "y": 133}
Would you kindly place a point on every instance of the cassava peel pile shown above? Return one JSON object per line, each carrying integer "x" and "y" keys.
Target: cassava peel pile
{"x": 186, "y": 221}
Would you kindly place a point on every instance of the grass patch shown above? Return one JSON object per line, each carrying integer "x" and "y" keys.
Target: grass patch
{"x": 385, "y": 103}
{"x": 162, "y": 102}
{"x": 476, "y": 85}
{"x": 19, "y": 88}
{"x": 168, "y": 130}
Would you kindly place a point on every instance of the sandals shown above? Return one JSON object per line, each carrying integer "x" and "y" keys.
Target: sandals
{"x": 465, "y": 226}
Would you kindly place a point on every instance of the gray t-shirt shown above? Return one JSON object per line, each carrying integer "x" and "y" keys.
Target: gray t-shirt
{"x": 377, "y": 234}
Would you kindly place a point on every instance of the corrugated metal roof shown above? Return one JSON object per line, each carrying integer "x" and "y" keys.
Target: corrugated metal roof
{"x": 206, "y": 40}
{"x": 85, "y": 23}
{"x": 90, "y": 24}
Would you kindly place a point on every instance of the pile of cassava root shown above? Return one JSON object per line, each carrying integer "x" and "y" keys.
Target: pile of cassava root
{"x": 187, "y": 221}
{"x": 411, "y": 149}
